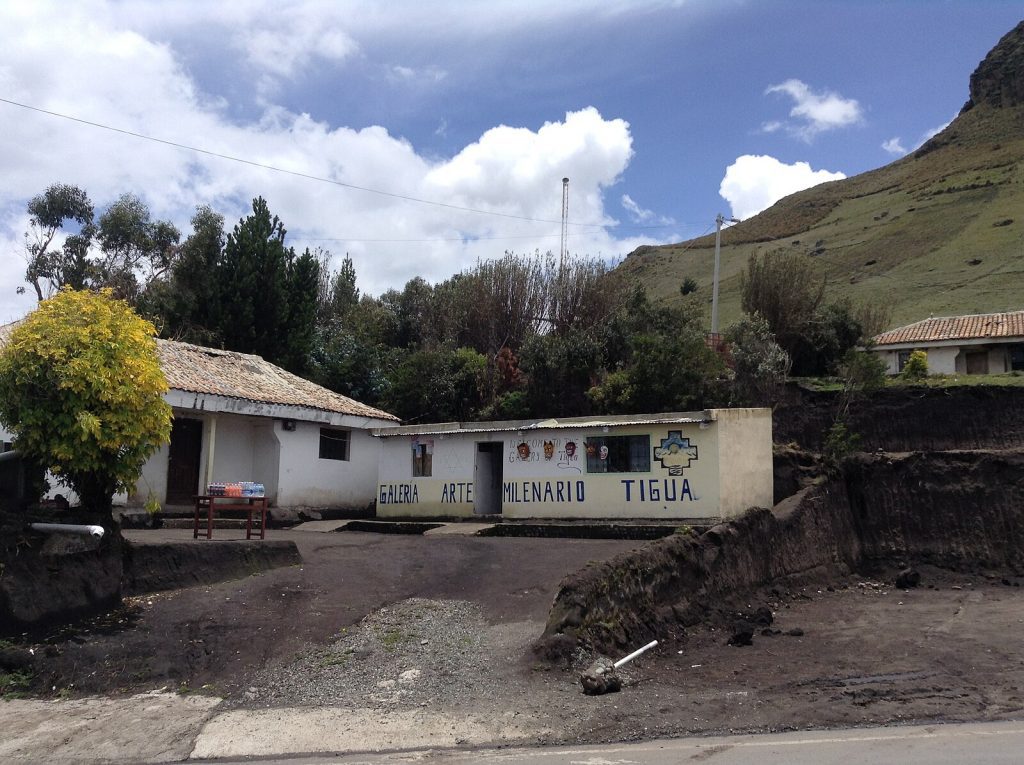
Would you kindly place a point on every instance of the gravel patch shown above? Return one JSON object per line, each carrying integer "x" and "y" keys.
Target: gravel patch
{"x": 414, "y": 653}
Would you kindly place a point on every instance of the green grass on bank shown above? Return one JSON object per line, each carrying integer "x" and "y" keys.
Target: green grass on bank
{"x": 1008, "y": 380}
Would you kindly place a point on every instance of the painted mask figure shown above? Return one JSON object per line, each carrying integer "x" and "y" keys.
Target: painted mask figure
{"x": 549, "y": 449}
{"x": 604, "y": 452}
{"x": 570, "y": 449}
{"x": 524, "y": 451}
{"x": 591, "y": 449}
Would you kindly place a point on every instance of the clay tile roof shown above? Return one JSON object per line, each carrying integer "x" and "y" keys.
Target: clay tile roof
{"x": 197, "y": 369}
{"x": 974, "y": 327}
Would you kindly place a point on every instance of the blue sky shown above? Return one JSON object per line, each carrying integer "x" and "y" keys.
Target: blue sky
{"x": 662, "y": 114}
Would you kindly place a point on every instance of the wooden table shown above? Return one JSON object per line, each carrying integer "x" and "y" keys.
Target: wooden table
{"x": 248, "y": 505}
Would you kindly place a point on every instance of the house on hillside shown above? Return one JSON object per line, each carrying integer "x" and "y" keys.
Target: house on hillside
{"x": 702, "y": 466}
{"x": 988, "y": 343}
{"x": 238, "y": 417}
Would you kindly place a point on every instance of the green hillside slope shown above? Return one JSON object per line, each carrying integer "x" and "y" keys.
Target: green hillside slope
{"x": 938, "y": 232}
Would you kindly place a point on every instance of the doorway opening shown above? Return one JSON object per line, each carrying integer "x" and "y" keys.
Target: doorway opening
{"x": 183, "y": 461}
{"x": 487, "y": 478}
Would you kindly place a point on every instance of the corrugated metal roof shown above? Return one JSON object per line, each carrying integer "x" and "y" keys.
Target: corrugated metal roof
{"x": 550, "y": 424}
{"x": 973, "y": 327}
{"x": 215, "y": 372}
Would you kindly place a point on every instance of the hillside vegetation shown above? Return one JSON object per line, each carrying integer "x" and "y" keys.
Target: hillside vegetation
{"x": 938, "y": 232}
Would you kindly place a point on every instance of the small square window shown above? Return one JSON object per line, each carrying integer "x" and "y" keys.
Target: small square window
{"x": 333, "y": 444}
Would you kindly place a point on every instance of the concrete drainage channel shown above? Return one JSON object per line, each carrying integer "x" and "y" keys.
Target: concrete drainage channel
{"x": 523, "y": 529}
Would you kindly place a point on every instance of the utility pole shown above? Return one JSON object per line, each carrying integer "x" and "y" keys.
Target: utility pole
{"x": 564, "y": 249}
{"x": 719, "y": 222}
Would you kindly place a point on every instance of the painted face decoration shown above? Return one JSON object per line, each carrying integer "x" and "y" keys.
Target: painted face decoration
{"x": 591, "y": 449}
{"x": 524, "y": 451}
{"x": 570, "y": 449}
{"x": 603, "y": 452}
{"x": 549, "y": 449}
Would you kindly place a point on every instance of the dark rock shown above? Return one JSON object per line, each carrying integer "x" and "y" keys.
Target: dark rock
{"x": 15, "y": 659}
{"x": 795, "y": 632}
{"x": 908, "y": 578}
{"x": 601, "y": 677}
{"x": 742, "y": 634}
{"x": 763, "y": 616}
{"x": 999, "y": 79}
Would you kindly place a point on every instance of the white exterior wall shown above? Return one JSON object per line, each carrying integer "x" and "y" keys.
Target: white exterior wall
{"x": 730, "y": 470}
{"x": 745, "y": 459}
{"x": 153, "y": 478}
{"x": 305, "y": 480}
{"x": 942, "y": 361}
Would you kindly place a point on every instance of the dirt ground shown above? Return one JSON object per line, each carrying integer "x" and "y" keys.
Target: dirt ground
{"x": 442, "y": 626}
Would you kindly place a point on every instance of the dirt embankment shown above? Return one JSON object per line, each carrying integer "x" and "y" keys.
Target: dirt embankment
{"x": 909, "y": 502}
{"x": 52, "y": 579}
{"x": 909, "y": 419}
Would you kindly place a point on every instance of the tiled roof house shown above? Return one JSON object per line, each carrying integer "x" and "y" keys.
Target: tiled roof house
{"x": 987, "y": 343}
{"x": 237, "y": 417}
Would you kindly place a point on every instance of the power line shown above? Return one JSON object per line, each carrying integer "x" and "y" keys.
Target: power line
{"x": 307, "y": 176}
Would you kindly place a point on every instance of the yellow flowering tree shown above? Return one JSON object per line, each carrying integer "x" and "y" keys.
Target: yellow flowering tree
{"x": 82, "y": 390}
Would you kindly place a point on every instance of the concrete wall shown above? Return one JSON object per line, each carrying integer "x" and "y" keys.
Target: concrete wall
{"x": 305, "y": 480}
{"x": 745, "y": 457}
{"x": 723, "y": 467}
{"x": 942, "y": 361}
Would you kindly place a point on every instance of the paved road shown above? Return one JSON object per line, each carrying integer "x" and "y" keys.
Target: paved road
{"x": 960, "y": 744}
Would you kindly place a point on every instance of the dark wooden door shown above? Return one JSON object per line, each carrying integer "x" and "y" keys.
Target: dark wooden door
{"x": 183, "y": 461}
{"x": 977, "y": 363}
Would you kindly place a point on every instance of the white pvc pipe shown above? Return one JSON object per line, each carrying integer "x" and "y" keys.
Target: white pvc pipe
{"x": 635, "y": 653}
{"x": 69, "y": 528}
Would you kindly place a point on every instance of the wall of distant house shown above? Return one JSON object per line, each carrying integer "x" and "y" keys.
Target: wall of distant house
{"x": 687, "y": 470}
{"x": 952, "y": 359}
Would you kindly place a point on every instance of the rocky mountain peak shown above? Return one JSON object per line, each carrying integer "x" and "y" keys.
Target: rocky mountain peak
{"x": 999, "y": 79}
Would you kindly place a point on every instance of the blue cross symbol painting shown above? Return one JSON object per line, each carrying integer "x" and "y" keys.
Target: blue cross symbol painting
{"x": 675, "y": 452}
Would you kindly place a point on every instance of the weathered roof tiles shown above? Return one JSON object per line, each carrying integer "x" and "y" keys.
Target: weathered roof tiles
{"x": 215, "y": 372}
{"x": 973, "y": 327}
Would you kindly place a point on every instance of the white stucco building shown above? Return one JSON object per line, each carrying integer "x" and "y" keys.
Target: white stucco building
{"x": 988, "y": 343}
{"x": 696, "y": 465}
{"x": 238, "y": 417}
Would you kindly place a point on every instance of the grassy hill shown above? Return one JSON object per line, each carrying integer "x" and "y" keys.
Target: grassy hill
{"x": 938, "y": 232}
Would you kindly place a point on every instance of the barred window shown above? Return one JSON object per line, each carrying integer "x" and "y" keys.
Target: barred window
{"x": 618, "y": 454}
{"x": 333, "y": 444}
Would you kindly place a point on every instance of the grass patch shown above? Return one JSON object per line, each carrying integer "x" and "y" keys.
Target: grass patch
{"x": 1006, "y": 380}
{"x": 15, "y": 685}
{"x": 393, "y": 638}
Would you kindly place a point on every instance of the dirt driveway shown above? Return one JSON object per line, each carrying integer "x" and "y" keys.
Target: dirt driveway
{"x": 434, "y": 631}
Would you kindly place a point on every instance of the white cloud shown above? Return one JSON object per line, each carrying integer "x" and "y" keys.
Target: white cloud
{"x": 754, "y": 183}
{"x": 430, "y": 74}
{"x": 109, "y": 74}
{"x": 929, "y": 134}
{"x": 894, "y": 147}
{"x": 642, "y": 215}
{"x": 816, "y": 112}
